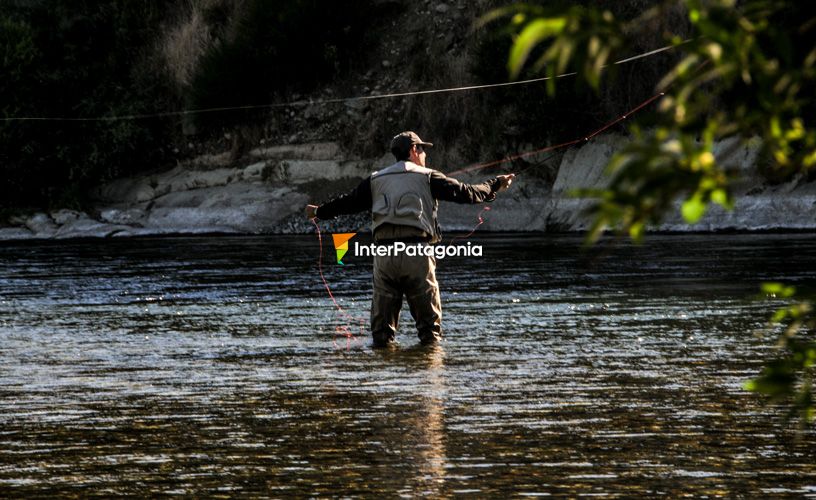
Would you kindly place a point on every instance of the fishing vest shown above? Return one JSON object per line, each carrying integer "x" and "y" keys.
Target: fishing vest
{"x": 401, "y": 195}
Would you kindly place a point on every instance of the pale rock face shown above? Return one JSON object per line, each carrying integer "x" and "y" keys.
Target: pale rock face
{"x": 127, "y": 216}
{"x": 267, "y": 196}
{"x": 312, "y": 151}
{"x": 758, "y": 207}
{"x": 41, "y": 225}
{"x": 581, "y": 168}
{"x": 84, "y": 227}
{"x": 64, "y": 216}
{"x": 15, "y": 233}
{"x": 237, "y": 208}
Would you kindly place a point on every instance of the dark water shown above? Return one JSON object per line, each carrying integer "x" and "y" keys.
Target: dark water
{"x": 210, "y": 367}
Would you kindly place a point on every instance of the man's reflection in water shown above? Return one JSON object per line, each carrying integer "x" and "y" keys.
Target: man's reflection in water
{"x": 427, "y": 426}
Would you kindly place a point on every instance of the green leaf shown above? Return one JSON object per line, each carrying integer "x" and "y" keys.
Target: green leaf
{"x": 779, "y": 315}
{"x": 517, "y": 17}
{"x": 533, "y": 34}
{"x": 720, "y": 197}
{"x": 636, "y": 231}
{"x": 778, "y": 289}
{"x": 778, "y": 379}
{"x": 693, "y": 209}
{"x": 772, "y": 287}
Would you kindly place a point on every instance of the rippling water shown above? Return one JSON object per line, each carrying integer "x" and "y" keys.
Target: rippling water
{"x": 210, "y": 366}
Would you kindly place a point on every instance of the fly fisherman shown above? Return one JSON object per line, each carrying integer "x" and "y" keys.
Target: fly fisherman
{"x": 403, "y": 201}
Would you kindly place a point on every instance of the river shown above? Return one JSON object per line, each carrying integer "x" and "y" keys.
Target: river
{"x": 210, "y": 366}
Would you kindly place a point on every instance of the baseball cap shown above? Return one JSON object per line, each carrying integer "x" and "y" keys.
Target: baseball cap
{"x": 404, "y": 141}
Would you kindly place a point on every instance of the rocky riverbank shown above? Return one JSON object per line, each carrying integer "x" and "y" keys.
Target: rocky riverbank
{"x": 266, "y": 194}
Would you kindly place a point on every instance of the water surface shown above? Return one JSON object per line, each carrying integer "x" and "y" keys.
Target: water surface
{"x": 211, "y": 366}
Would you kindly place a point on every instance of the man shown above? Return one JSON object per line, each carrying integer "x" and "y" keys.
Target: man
{"x": 403, "y": 200}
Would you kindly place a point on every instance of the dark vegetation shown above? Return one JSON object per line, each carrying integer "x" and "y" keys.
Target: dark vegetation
{"x": 76, "y": 59}
{"x": 106, "y": 59}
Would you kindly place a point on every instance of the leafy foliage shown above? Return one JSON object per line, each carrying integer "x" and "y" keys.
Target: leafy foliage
{"x": 747, "y": 73}
{"x": 791, "y": 376}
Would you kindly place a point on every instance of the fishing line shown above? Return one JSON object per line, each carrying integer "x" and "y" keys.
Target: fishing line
{"x": 584, "y": 139}
{"x": 343, "y": 330}
{"x": 481, "y": 221}
{"x": 305, "y": 102}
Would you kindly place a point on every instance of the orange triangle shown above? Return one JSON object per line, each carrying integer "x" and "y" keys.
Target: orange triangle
{"x": 341, "y": 238}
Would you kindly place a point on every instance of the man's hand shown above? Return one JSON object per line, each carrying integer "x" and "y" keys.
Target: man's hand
{"x": 505, "y": 180}
{"x": 311, "y": 211}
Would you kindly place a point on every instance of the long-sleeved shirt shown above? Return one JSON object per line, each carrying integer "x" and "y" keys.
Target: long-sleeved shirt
{"x": 442, "y": 188}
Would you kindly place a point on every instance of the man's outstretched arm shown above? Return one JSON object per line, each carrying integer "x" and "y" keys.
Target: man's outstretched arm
{"x": 357, "y": 200}
{"x": 449, "y": 189}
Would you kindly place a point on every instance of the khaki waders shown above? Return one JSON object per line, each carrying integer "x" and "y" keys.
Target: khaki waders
{"x": 415, "y": 278}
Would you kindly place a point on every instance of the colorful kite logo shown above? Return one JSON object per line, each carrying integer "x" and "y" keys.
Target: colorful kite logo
{"x": 341, "y": 245}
